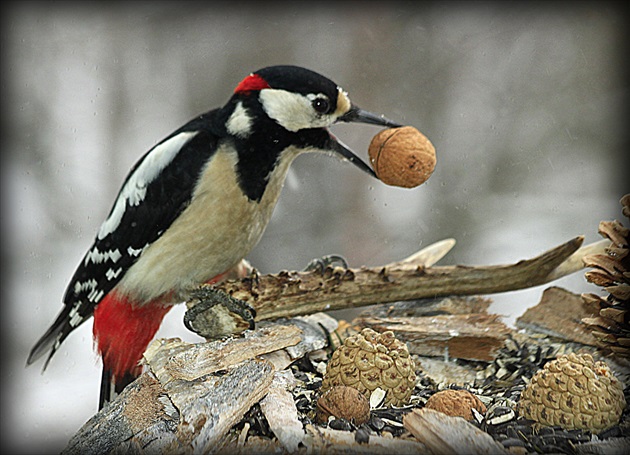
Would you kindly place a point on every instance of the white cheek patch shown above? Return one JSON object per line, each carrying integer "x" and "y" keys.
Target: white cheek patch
{"x": 292, "y": 110}
{"x": 135, "y": 190}
{"x": 240, "y": 123}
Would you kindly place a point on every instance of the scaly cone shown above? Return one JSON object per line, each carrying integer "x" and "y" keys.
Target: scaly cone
{"x": 611, "y": 271}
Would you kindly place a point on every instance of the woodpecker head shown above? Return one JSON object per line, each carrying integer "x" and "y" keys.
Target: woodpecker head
{"x": 301, "y": 102}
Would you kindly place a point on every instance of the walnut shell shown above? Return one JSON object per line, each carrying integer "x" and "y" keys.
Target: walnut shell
{"x": 456, "y": 403}
{"x": 574, "y": 392}
{"x": 402, "y": 157}
{"x": 371, "y": 360}
{"x": 343, "y": 402}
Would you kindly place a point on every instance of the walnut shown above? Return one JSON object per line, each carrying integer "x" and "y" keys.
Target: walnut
{"x": 343, "y": 402}
{"x": 456, "y": 403}
{"x": 402, "y": 157}
{"x": 368, "y": 361}
{"x": 574, "y": 392}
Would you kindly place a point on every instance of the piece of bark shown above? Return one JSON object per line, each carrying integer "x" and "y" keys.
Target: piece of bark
{"x": 616, "y": 446}
{"x": 289, "y": 294}
{"x": 173, "y": 359}
{"x": 139, "y": 417}
{"x": 178, "y": 406}
{"x": 330, "y": 441}
{"x": 279, "y": 408}
{"x": 255, "y": 445}
{"x": 430, "y": 307}
{"x": 446, "y": 372}
{"x": 177, "y": 417}
{"x": 313, "y": 336}
{"x": 211, "y": 407}
{"x": 445, "y": 434}
{"x": 559, "y": 314}
{"x": 477, "y": 336}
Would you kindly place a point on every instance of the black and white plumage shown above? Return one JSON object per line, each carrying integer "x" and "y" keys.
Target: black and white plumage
{"x": 195, "y": 205}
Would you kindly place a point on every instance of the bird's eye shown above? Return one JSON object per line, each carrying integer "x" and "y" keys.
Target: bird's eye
{"x": 320, "y": 105}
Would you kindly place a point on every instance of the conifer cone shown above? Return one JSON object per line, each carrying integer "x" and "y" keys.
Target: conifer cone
{"x": 369, "y": 361}
{"x": 611, "y": 271}
{"x": 574, "y": 392}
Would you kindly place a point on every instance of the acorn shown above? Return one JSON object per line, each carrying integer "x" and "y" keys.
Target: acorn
{"x": 402, "y": 156}
{"x": 574, "y": 392}
{"x": 373, "y": 362}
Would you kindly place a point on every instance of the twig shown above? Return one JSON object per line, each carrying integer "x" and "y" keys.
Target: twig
{"x": 289, "y": 294}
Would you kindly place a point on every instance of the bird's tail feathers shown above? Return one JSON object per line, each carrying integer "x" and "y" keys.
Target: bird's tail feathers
{"x": 54, "y": 336}
{"x": 111, "y": 386}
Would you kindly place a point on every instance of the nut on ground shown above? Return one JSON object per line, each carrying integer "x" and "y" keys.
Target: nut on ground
{"x": 402, "y": 157}
{"x": 343, "y": 402}
{"x": 456, "y": 403}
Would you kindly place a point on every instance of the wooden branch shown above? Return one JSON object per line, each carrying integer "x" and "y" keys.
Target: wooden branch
{"x": 288, "y": 294}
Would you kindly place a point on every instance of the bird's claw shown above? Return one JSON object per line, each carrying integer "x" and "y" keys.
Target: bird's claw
{"x": 320, "y": 264}
{"x": 217, "y": 314}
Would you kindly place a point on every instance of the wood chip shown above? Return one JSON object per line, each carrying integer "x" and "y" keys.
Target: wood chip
{"x": 465, "y": 336}
{"x": 178, "y": 417}
{"x": 329, "y": 441}
{"x": 278, "y": 406}
{"x": 173, "y": 359}
{"x": 559, "y": 313}
{"x": 444, "y": 434}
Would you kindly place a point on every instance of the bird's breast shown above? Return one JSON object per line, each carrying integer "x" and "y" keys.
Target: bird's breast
{"x": 219, "y": 227}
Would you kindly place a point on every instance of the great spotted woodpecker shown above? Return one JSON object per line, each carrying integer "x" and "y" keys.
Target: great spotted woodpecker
{"x": 193, "y": 207}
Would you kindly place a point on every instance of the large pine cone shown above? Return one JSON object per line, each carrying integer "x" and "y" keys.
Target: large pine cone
{"x": 574, "y": 392}
{"x": 371, "y": 360}
{"x": 612, "y": 272}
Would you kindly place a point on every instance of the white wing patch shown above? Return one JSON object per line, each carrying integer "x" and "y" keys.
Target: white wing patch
{"x": 85, "y": 286}
{"x": 136, "y": 251}
{"x": 75, "y": 317}
{"x": 111, "y": 273}
{"x": 135, "y": 190}
{"x": 96, "y": 256}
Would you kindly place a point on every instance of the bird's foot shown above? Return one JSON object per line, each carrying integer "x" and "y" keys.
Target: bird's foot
{"x": 320, "y": 264}
{"x": 215, "y": 314}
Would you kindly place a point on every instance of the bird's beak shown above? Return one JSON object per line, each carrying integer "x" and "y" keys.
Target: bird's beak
{"x": 357, "y": 115}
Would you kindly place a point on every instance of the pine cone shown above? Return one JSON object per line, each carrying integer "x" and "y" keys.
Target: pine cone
{"x": 574, "y": 392}
{"x": 612, "y": 272}
{"x": 370, "y": 360}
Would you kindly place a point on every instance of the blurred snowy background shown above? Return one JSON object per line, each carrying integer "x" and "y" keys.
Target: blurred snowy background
{"x": 523, "y": 103}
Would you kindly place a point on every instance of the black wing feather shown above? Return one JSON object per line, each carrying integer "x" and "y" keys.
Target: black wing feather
{"x": 140, "y": 225}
